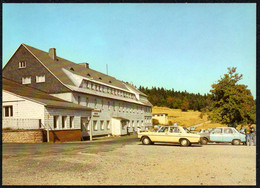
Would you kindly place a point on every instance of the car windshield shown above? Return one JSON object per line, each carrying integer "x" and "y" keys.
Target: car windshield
{"x": 163, "y": 129}
{"x": 187, "y": 130}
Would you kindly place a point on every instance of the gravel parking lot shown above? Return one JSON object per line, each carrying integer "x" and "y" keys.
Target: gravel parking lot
{"x": 125, "y": 161}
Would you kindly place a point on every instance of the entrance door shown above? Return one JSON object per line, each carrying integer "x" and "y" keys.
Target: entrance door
{"x": 84, "y": 126}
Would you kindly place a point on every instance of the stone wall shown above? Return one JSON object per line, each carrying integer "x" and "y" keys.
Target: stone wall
{"x": 22, "y": 136}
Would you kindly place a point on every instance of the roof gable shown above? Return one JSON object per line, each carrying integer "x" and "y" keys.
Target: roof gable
{"x": 37, "y": 95}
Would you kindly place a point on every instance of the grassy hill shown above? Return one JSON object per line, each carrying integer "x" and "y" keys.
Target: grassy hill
{"x": 186, "y": 119}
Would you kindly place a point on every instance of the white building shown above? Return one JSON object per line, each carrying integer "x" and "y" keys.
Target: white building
{"x": 118, "y": 106}
{"x": 161, "y": 117}
{"x": 28, "y": 108}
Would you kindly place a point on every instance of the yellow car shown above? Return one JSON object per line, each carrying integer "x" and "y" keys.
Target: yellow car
{"x": 170, "y": 134}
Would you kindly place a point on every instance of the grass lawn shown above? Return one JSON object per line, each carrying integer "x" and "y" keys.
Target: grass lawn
{"x": 186, "y": 119}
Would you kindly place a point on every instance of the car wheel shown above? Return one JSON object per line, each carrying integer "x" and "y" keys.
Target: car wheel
{"x": 146, "y": 141}
{"x": 236, "y": 142}
{"x": 204, "y": 141}
{"x": 184, "y": 142}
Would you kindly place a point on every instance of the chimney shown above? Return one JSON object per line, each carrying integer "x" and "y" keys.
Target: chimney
{"x": 86, "y": 65}
{"x": 52, "y": 53}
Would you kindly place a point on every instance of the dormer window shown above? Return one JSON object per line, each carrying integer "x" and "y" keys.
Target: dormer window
{"x": 110, "y": 81}
{"x": 40, "y": 79}
{"x": 88, "y": 74}
{"x": 71, "y": 69}
{"x": 26, "y": 80}
{"x": 100, "y": 78}
{"x": 22, "y": 64}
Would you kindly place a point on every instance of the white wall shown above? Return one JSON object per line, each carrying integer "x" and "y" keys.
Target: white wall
{"x": 107, "y": 113}
{"x": 50, "y": 112}
{"x": 22, "y": 108}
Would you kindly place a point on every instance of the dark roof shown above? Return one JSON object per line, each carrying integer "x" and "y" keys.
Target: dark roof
{"x": 39, "y": 96}
{"x": 56, "y": 68}
{"x": 135, "y": 89}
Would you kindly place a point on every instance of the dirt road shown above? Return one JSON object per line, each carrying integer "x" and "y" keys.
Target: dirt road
{"x": 124, "y": 161}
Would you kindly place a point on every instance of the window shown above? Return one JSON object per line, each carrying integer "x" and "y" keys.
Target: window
{"x": 88, "y": 126}
{"x": 8, "y": 111}
{"x": 85, "y": 84}
{"x": 55, "y": 121}
{"x": 108, "y": 105}
{"x": 89, "y": 85}
{"x": 22, "y": 64}
{"x": 97, "y": 88}
{"x": 102, "y": 125}
{"x": 119, "y": 106}
{"x": 95, "y": 103}
{"x": 133, "y": 123}
{"x": 108, "y": 124}
{"x": 228, "y": 131}
{"x": 95, "y": 125}
{"x": 64, "y": 118}
{"x": 217, "y": 130}
{"x": 26, "y": 80}
{"x": 71, "y": 121}
{"x": 114, "y": 106}
{"x": 93, "y": 86}
{"x": 86, "y": 101}
{"x": 102, "y": 103}
{"x": 40, "y": 79}
{"x": 78, "y": 99}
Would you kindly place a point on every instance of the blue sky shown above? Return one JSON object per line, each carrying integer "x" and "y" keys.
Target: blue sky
{"x": 181, "y": 46}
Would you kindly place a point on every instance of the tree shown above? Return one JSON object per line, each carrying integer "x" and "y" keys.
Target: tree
{"x": 232, "y": 103}
{"x": 185, "y": 104}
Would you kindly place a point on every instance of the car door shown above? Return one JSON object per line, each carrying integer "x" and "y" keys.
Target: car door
{"x": 216, "y": 135}
{"x": 228, "y": 135}
{"x": 174, "y": 134}
{"x": 160, "y": 136}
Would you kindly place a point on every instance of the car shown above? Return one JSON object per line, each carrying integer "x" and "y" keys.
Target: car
{"x": 223, "y": 135}
{"x": 169, "y": 134}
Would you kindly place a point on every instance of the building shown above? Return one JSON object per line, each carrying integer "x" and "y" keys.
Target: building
{"x": 118, "y": 107}
{"x": 162, "y": 118}
{"x": 24, "y": 107}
